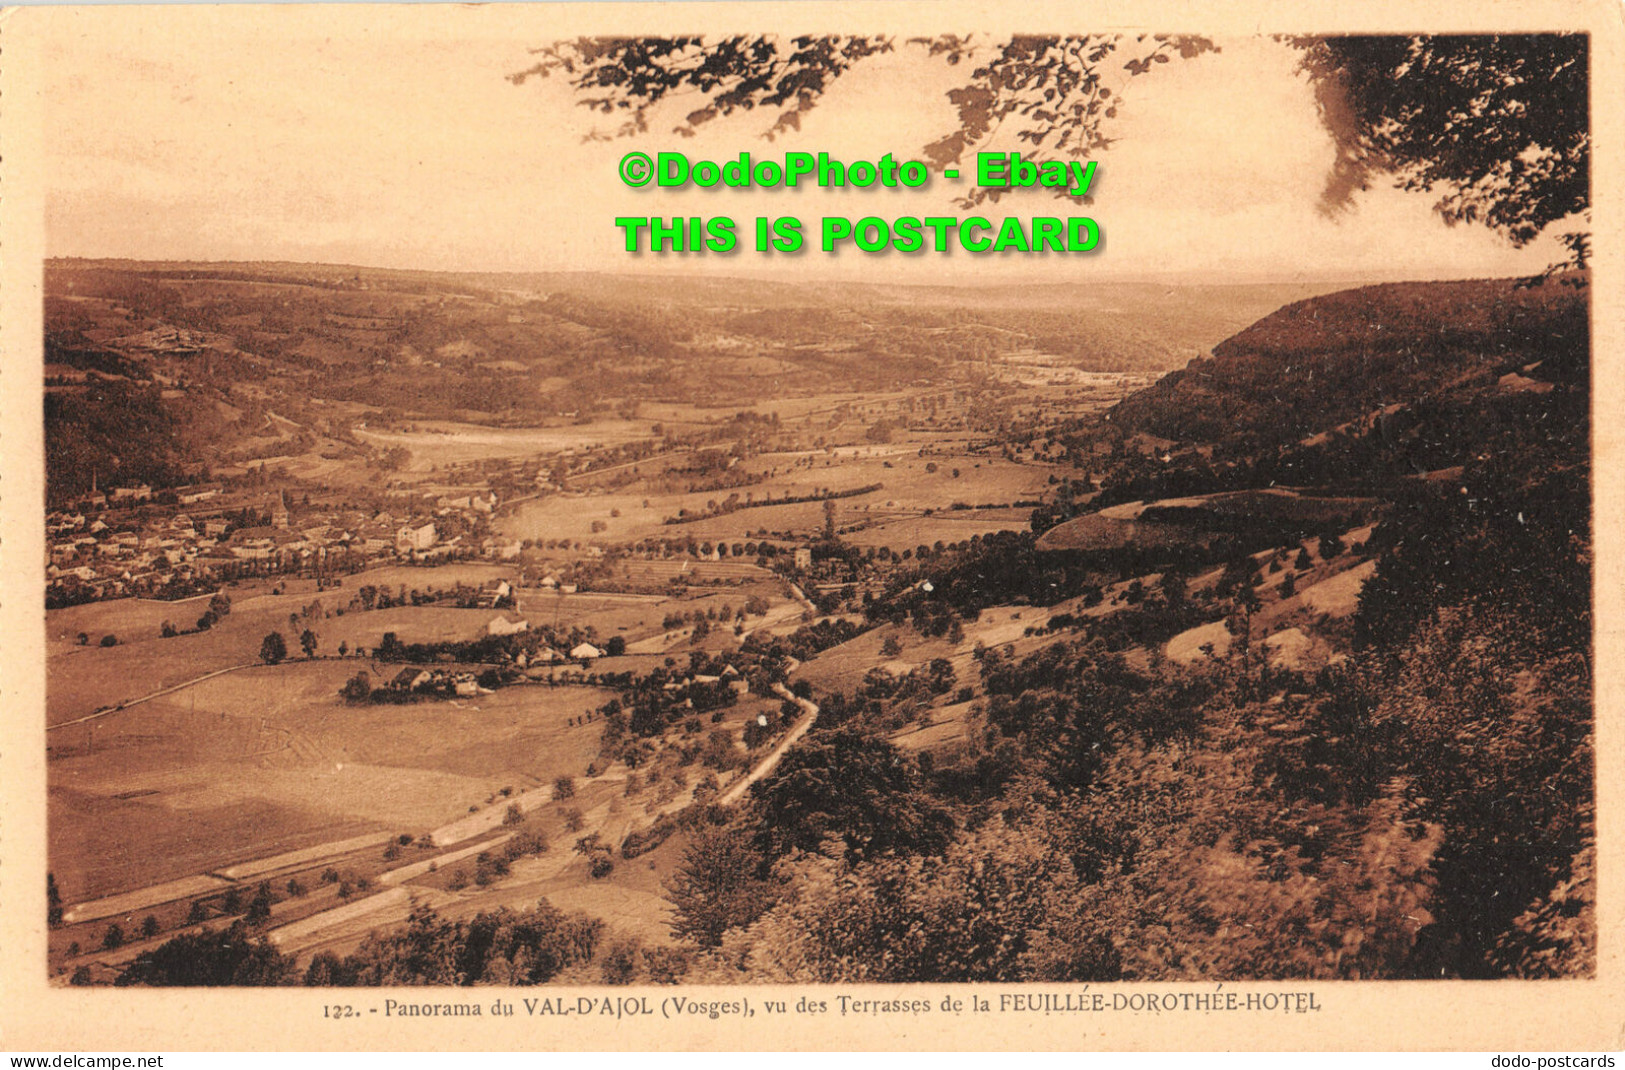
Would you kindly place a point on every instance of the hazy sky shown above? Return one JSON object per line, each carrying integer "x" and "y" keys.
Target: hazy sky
{"x": 370, "y": 136}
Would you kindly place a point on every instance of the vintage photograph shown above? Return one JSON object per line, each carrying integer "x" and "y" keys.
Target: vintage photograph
{"x": 810, "y": 505}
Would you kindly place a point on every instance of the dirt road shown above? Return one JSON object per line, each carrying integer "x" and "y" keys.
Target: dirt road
{"x": 771, "y": 762}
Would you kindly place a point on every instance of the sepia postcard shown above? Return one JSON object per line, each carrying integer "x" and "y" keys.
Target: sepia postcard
{"x": 749, "y": 525}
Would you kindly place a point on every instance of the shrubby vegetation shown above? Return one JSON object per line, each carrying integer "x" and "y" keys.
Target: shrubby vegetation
{"x": 1420, "y": 808}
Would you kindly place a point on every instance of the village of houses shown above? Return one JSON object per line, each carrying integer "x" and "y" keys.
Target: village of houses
{"x": 125, "y": 542}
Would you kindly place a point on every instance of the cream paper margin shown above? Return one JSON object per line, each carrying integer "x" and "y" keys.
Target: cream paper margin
{"x": 1571, "y": 1016}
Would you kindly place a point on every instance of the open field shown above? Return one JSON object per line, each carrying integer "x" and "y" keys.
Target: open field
{"x": 694, "y": 571}
{"x": 909, "y": 481}
{"x": 268, "y": 759}
{"x": 1097, "y": 531}
{"x": 633, "y": 616}
{"x": 82, "y": 679}
{"x": 442, "y": 443}
{"x": 948, "y": 724}
{"x": 1171, "y": 521}
{"x": 842, "y": 667}
{"x": 609, "y": 613}
{"x": 629, "y": 898}
{"x": 905, "y": 533}
{"x": 624, "y": 516}
{"x": 142, "y": 618}
{"x": 442, "y": 576}
{"x": 629, "y": 895}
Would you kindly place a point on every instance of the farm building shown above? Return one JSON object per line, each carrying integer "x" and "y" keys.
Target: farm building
{"x": 411, "y": 679}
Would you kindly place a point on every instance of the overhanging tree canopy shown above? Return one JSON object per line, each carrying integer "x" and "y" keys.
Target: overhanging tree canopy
{"x": 1499, "y": 124}
{"x": 1054, "y": 91}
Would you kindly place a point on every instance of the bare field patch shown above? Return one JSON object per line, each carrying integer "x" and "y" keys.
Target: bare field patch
{"x": 910, "y": 532}
{"x": 269, "y": 759}
{"x": 1097, "y": 531}
{"x": 443, "y": 443}
{"x": 1188, "y": 646}
{"x": 1340, "y": 595}
{"x": 392, "y": 577}
{"x": 632, "y": 898}
{"x": 620, "y": 517}
{"x": 948, "y": 724}
{"x": 609, "y": 613}
{"x": 99, "y": 846}
{"x": 842, "y": 667}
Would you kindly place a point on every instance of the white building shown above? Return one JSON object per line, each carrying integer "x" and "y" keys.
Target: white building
{"x": 415, "y": 538}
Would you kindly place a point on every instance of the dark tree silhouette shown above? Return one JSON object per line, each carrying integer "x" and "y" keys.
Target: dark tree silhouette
{"x": 716, "y": 886}
{"x": 1499, "y": 124}
{"x": 853, "y": 786}
{"x": 230, "y": 957}
{"x": 357, "y": 689}
{"x": 273, "y": 648}
{"x": 53, "y": 901}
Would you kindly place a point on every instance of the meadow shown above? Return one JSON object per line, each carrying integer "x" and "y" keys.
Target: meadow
{"x": 268, "y": 759}
{"x": 84, "y": 677}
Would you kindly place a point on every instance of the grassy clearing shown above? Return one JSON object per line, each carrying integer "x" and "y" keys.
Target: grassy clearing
{"x": 948, "y": 726}
{"x": 445, "y": 443}
{"x": 268, "y": 759}
{"x": 81, "y": 679}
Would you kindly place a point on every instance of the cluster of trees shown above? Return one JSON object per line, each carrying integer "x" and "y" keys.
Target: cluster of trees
{"x": 722, "y": 614}
{"x": 490, "y": 649}
{"x": 646, "y": 710}
{"x": 804, "y": 642}
{"x": 118, "y": 432}
{"x": 508, "y": 947}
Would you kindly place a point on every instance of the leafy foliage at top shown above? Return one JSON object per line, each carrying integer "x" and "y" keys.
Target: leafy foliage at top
{"x": 1500, "y": 123}
{"x": 1054, "y": 89}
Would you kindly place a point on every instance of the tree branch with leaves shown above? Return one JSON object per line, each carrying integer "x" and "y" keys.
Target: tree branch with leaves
{"x": 1498, "y": 125}
{"x": 1052, "y": 94}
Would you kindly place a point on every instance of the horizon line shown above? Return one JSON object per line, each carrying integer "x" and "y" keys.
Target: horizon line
{"x": 955, "y": 281}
